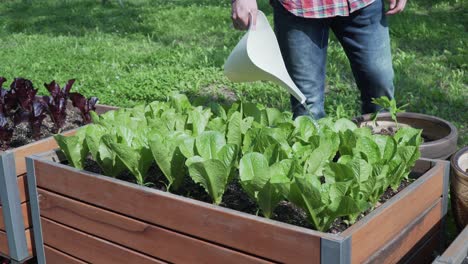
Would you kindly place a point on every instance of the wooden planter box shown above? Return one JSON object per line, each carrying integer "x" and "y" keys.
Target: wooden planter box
{"x": 457, "y": 253}
{"x": 15, "y": 220}
{"x": 87, "y": 217}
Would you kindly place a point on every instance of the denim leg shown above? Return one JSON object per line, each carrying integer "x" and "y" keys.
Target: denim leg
{"x": 365, "y": 38}
{"x": 303, "y": 43}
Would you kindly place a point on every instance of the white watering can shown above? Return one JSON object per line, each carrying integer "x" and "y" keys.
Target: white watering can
{"x": 257, "y": 57}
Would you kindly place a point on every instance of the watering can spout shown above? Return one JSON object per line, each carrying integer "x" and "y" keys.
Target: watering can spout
{"x": 257, "y": 57}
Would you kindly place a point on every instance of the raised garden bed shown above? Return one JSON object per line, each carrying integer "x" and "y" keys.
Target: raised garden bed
{"x": 14, "y": 169}
{"x": 18, "y": 140}
{"x": 245, "y": 157}
{"x": 457, "y": 253}
{"x": 119, "y": 221}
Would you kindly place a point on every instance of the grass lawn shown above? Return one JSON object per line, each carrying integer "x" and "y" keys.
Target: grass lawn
{"x": 151, "y": 47}
{"x": 143, "y": 51}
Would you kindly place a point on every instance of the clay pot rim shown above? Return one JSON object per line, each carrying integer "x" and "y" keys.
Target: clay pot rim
{"x": 451, "y": 136}
{"x": 454, "y": 161}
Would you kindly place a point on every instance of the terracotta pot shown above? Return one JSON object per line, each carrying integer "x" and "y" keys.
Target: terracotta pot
{"x": 440, "y": 135}
{"x": 459, "y": 187}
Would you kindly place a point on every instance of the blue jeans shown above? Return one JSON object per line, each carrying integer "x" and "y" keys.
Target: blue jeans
{"x": 365, "y": 39}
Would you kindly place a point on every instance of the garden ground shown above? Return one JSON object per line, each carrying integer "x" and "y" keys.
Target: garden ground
{"x": 143, "y": 51}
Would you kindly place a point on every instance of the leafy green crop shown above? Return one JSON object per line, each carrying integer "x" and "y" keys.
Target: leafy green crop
{"x": 330, "y": 168}
{"x": 267, "y": 185}
{"x": 389, "y": 105}
{"x": 212, "y": 165}
{"x": 74, "y": 148}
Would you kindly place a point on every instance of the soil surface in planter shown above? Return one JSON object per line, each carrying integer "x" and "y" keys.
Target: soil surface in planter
{"x": 22, "y": 133}
{"x": 391, "y": 130}
{"x": 235, "y": 197}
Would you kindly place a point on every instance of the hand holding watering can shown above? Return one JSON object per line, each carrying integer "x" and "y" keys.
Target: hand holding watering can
{"x": 258, "y": 57}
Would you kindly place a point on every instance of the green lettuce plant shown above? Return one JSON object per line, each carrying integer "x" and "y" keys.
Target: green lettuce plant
{"x": 212, "y": 165}
{"x": 330, "y": 168}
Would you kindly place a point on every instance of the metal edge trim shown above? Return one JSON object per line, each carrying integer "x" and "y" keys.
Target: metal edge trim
{"x": 335, "y": 251}
{"x": 11, "y": 207}
{"x": 35, "y": 211}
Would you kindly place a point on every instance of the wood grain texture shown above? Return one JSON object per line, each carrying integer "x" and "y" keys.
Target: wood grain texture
{"x": 22, "y": 188}
{"x": 410, "y": 237}
{"x": 4, "y": 243}
{"x": 54, "y": 256}
{"x": 426, "y": 251}
{"x": 26, "y": 216}
{"x": 87, "y": 247}
{"x": 137, "y": 235}
{"x": 396, "y": 213}
{"x": 257, "y": 236}
{"x": 45, "y": 144}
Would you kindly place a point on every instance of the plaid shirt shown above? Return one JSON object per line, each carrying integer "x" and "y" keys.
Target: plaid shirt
{"x": 323, "y": 8}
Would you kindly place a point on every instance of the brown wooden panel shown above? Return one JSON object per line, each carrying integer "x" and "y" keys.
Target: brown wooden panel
{"x": 26, "y": 216}
{"x": 54, "y": 256}
{"x": 4, "y": 242}
{"x": 137, "y": 235}
{"x": 255, "y": 235}
{"x": 397, "y": 213}
{"x": 426, "y": 251}
{"x": 45, "y": 144}
{"x": 87, "y": 247}
{"x": 409, "y": 237}
{"x": 101, "y": 109}
{"x": 22, "y": 188}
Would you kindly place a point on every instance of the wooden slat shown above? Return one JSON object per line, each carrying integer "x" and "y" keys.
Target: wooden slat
{"x": 87, "y": 247}
{"x": 26, "y": 216}
{"x": 137, "y": 235}
{"x": 409, "y": 237}
{"x": 22, "y": 188}
{"x": 457, "y": 251}
{"x": 45, "y": 144}
{"x": 397, "y": 213}
{"x": 54, "y": 256}
{"x": 101, "y": 109}
{"x": 425, "y": 251}
{"x": 248, "y": 233}
{"x": 4, "y": 243}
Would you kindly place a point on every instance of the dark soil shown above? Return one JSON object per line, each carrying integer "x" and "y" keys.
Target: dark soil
{"x": 235, "y": 197}
{"x": 390, "y": 131}
{"x": 22, "y": 133}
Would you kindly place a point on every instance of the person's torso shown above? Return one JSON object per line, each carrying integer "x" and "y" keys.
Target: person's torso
{"x": 323, "y": 8}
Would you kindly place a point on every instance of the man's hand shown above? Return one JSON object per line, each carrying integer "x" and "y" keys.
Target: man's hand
{"x": 396, "y": 6}
{"x": 242, "y": 12}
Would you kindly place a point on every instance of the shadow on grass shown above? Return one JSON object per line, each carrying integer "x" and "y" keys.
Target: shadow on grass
{"x": 76, "y": 18}
{"x": 70, "y": 17}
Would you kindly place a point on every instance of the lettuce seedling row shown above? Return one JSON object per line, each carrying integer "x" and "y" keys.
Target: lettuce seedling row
{"x": 330, "y": 169}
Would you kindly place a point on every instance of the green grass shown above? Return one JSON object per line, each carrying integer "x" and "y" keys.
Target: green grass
{"x": 151, "y": 47}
